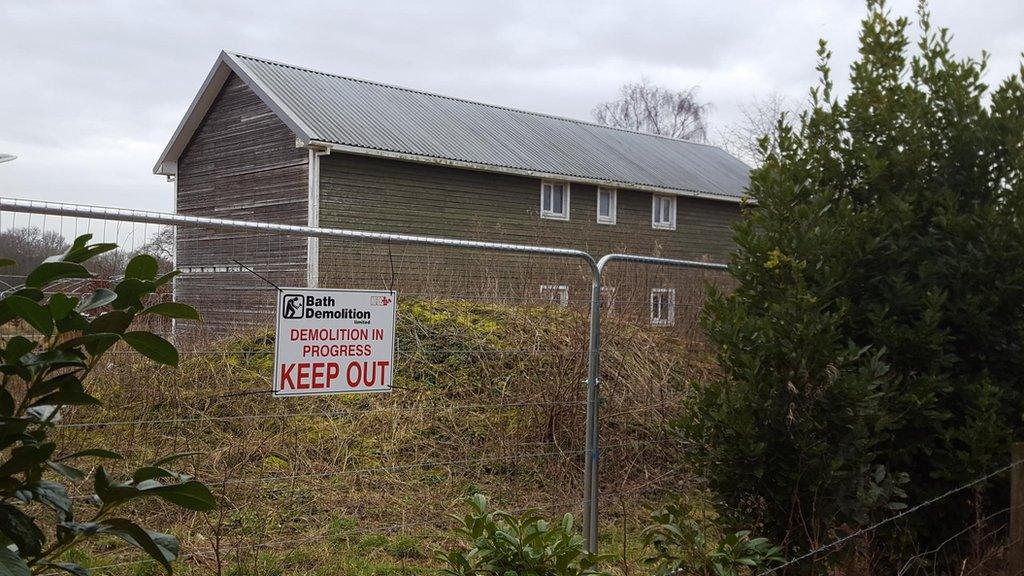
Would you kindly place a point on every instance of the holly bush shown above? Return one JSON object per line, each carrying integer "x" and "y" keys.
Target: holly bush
{"x": 52, "y": 341}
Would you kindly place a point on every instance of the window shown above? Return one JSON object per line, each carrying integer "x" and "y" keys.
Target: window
{"x": 606, "y": 200}
{"x": 663, "y": 212}
{"x": 608, "y": 298}
{"x": 554, "y": 200}
{"x": 212, "y": 269}
{"x": 556, "y": 294}
{"x": 663, "y": 307}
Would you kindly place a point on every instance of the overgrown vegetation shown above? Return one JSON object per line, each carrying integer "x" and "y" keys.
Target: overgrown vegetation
{"x": 53, "y": 343}
{"x": 688, "y": 537}
{"x": 496, "y": 543}
{"x": 488, "y": 398}
{"x": 872, "y": 350}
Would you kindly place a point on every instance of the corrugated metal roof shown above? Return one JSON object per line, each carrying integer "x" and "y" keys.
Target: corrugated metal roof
{"x": 378, "y": 117}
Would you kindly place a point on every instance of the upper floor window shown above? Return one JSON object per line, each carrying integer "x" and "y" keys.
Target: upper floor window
{"x": 554, "y": 200}
{"x": 663, "y": 212}
{"x": 606, "y": 205}
{"x": 663, "y": 306}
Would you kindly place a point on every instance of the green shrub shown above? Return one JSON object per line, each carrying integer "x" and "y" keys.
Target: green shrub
{"x": 501, "y": 544}
{"x": 687, "y": 541}
{"x": 45, "y": 370}
{"x": 872, "y": 350}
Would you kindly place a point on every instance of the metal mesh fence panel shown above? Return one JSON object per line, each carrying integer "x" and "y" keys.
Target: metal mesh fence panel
{"x": 489, "y": 389}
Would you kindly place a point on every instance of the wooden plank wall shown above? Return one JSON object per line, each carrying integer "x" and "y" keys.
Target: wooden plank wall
{"x": 242, "y": 163}
{"x": 386, "y": 195}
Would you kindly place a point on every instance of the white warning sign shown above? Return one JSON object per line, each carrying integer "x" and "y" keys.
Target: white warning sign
{"x": 334, "y": 341}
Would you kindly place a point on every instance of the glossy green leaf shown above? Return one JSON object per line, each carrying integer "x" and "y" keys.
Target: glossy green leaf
{"x": 17, "y": 347}
{"x": 7, "y": 405}
{"x": 21, "y": 530}
{"x": 70, "y": 568}
{"x": 161, "y": 547}
{"x": 153, "y": 347}
{"x": 113, "y": 322}
{"x": 33, "y": 294}
{"x": 191, "y": 495}
{"x": 55, "y": 358}
{"x": 25, "y": 457}
{"x": 49, "y": 272}
{"x": 111, "y": 492}
{"x": 60, "y": 305}
{"x": 174, "y": 457}
{"x": 84, "y": 528}
{"x": 11, "y": 564}
{"x": 130, "y": 292}
{"x": 94, "y": 453}
{"x": 173, "y": 310}
{"x": 81, "y": 250}
{"x": 101, "y": 297}
{"x": 31, "y": 312}
{"x": 166, "y": 278}
{"x": 53, "y": 495}
{"x": 53, "y": 384}
{"x": 99, "y": 341}
{"x": 73, "y": 322}
{"x": 69, "y": 472}
{"x": 6, "y": 314}
{"x": 150, "y": 472}
{"x": 142, "y": 267}
{"x": 69, "y": 395}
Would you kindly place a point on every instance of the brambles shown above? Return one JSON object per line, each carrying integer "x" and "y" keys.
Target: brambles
{"x": 53, "y": 341}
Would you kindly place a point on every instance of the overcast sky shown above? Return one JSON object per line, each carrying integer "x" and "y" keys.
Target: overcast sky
{"x": 90, "y": 92}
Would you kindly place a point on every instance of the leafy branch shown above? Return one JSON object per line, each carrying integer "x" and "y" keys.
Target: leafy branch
{"x": 55, "y": 342}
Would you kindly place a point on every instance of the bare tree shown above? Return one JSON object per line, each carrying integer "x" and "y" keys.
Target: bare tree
{"x": 28, "y": 247}
{"x": 756, "y": 133}
{"x": 648, "y": 108}
{"x": 161, "y": 247}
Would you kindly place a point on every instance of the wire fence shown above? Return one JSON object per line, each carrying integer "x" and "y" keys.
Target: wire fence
{"x": 489, "y": 389}
{"x": 489, "y": 396}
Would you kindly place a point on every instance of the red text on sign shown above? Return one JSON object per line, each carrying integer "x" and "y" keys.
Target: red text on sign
{"x": 324, "y": 375}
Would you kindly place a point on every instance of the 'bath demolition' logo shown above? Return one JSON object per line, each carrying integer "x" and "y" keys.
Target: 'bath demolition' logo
{"x": 293, "y": 305}
{"x": 299, "y": 306}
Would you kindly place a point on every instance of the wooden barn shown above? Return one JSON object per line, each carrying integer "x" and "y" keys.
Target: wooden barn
{"x": 272, "y": 142}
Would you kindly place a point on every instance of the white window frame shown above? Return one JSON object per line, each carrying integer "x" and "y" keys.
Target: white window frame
{"x": 613, "y": 194}
{"x": 550, "y": 214}
{"x": 211, "y": 269}
{"x": 656, "y": 223}
{"x": 558, "y": 293}
{"x": 608, "y": 298}
{"x": 660, "y": 320}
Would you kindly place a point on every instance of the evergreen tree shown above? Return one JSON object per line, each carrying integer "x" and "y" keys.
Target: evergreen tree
{"x": 872, "y": 351}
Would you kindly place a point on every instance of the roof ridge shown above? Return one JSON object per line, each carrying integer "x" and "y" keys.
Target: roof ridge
{"x": 467, "y": 101}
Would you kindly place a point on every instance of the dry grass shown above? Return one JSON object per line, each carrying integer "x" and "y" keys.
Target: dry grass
{"x": 487, "y": 398}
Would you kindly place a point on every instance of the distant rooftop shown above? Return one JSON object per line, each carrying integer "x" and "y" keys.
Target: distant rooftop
{"x": 362, "y": 116}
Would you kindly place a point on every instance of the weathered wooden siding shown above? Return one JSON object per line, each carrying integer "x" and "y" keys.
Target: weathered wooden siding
{"x": 378, "y": 194}
{"x": 386, "y": 195}
{"x": 241, "y": 163}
